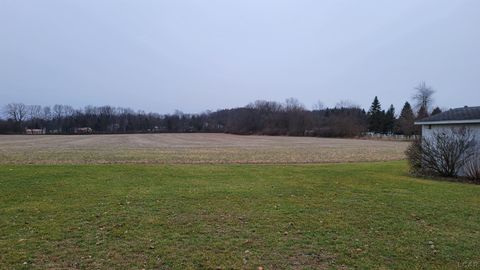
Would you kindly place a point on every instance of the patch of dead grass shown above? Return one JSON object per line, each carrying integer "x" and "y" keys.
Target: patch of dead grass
{"x": 191, "y": 149}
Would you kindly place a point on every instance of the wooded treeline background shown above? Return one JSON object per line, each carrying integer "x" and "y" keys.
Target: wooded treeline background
{"x": 260, "y": 117}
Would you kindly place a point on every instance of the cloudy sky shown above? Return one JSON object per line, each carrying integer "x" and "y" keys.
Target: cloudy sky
{"x": 210, "y": 54}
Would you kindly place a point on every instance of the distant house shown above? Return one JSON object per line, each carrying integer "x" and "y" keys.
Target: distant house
{"x": 35, "y": 131}
{"x": 466, "y": 117}
{"x": 82, "y": 130}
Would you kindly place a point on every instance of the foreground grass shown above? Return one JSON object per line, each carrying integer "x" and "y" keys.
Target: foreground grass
{"x": 235, "y": 216}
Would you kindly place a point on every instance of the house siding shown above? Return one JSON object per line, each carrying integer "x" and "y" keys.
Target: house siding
{"x": 428, "y": 132}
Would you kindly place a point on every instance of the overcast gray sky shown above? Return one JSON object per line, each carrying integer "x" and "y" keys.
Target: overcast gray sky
{"x": 206, "y": 54}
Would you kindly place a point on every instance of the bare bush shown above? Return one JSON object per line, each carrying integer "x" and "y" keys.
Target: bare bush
{"x": 472, "y": 168}
{"x": 444, "y": 153}
{"x": 414, "y": 157}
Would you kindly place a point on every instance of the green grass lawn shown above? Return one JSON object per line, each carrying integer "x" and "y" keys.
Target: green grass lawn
{"x": 363, "y": 215}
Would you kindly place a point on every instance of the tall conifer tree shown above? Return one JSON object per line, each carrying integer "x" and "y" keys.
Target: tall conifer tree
{"x": 405, "y": 123}
{"x": 375, "y": 117}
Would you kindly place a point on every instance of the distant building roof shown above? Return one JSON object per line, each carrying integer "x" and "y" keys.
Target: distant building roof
{"x": 453, "y": 116}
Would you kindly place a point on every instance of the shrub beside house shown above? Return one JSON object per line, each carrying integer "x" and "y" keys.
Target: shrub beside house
{"x": 450, "y": 144}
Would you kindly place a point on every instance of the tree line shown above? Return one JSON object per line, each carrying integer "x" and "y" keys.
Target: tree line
{"x": 260, "y": 117}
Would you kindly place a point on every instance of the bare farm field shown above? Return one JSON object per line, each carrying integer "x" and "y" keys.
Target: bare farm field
{"x": 192, "y": 149}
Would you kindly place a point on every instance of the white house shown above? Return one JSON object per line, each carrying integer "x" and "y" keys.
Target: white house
{"x": 35, "y": 131}
{"x": 466, "y": 117}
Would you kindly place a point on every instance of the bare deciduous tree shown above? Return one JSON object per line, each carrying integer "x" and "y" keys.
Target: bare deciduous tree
{"x": 47, "y": 113}
{"x": 423, "y": 96}
{"x": 266, "y": 106}
{"x": 318, "y": 106}
{"x": 346, "y": 104}
{"x": 16, "y": 111}
{"x": 292, "y": 104}
{"x": 57, "y": 111}
{"x": 259, "y": 117}
{"x": 34, "y": 111}
{"x": 68, "y": 110}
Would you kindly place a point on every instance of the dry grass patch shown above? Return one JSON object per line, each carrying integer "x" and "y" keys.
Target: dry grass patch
{"x": 191, "y": 148}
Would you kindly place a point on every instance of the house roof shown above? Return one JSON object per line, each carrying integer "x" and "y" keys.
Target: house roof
{"x": 462, "y": 115}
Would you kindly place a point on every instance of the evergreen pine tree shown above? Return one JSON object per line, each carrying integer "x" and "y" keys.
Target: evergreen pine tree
{"x": 389, "y": 121}
{"x": 405, "y": 123}
{"x": 375, "y": 117}
{"x": 422, "y": 113}
{"x": 437, "y": 110}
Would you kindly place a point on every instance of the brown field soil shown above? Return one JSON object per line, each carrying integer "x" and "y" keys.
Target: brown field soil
{"x": 191, "y": 148}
